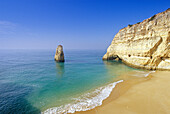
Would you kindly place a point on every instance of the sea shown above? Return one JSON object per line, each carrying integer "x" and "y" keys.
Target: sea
{"x": 32, "y": 82}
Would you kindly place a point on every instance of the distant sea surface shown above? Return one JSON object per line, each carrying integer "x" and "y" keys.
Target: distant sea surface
{"x": 32, "y": 82}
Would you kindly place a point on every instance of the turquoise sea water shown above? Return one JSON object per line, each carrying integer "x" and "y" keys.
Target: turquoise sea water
{"x": 32, "y": 82}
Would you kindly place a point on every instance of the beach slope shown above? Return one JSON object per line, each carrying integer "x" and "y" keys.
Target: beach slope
{"x": 149, "y": 95}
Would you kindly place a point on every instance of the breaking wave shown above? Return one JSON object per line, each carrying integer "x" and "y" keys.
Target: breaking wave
{"x": 85, "y": 102}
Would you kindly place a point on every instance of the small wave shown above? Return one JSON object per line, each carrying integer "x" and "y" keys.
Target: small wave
{"x": 149, "y": 73}
{"x": 142, "y": 73}
{"x": 85, "y": 102}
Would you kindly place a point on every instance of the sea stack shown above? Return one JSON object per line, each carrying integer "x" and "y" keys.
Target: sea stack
{"x": 145, "y": 44}
{"x": 59, "y": 55}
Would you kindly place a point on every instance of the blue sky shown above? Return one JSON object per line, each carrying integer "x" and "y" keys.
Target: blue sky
{"x": 76, "y": 24}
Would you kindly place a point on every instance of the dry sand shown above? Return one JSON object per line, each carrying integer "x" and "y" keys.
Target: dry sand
{"x": 147, "y": 95}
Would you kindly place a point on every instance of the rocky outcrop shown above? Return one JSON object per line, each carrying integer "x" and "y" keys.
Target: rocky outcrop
{"x": 144, "y": 45}
{"x": 59, "y": 55}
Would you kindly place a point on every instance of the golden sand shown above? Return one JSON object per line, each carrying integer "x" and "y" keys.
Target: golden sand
{"x": 147, "y": 95}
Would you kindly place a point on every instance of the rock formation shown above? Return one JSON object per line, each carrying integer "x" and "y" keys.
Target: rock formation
{"x": 145, "y": 44}
{"x": 59, "y": 55}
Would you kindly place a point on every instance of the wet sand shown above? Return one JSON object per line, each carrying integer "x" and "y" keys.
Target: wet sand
{"x": 136, "y": 95}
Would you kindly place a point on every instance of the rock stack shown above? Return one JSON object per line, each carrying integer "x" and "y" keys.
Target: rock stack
{"x": 59, "y": 55}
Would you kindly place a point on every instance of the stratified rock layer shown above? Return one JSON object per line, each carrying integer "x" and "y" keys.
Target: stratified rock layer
{"x": 144, "y": 45}
{"x": 59, "y": 55}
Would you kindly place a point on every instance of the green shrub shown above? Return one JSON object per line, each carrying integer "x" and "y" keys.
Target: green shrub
{"x": 130, "y": 25}
{"x": 151, "y": 18}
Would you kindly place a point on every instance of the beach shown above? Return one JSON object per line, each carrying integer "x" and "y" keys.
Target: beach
{"x": 138, "y": 95}
{"x": 84, "y": 57}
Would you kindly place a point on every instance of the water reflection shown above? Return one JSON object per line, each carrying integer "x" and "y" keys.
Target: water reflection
{"x": 60, "y": 69}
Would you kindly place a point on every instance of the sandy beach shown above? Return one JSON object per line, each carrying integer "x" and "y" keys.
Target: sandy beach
{"x": 136, "y": 95}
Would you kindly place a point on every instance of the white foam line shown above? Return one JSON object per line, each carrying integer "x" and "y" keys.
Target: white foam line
{"x": 85, "y": 102}
{"x": 142, "y": 73}
{"x": 149, "y": 73}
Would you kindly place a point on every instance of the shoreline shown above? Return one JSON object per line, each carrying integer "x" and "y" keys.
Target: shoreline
{"x": 137, "y": 95}
{"x": 89, "y": 100}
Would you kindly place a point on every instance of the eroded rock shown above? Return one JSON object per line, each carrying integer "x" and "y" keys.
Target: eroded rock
{"x": 144, "y": 45}
{"x": 59, "y": 55}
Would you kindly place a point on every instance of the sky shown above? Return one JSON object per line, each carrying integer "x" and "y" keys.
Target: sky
{"x": 75, "y": 24}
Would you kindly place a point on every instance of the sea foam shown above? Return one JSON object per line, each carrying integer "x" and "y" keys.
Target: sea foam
{"x": 149, "y": 73}
{"x": 85, "y": 102}
{"x": 142, "y": 73}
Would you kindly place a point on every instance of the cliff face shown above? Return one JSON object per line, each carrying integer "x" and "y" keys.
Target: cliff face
{"x": 143, "y": 45}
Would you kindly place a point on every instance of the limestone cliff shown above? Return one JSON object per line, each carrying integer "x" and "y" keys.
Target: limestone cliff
{"x": 144, "y": 45}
